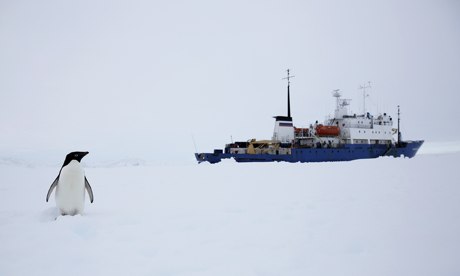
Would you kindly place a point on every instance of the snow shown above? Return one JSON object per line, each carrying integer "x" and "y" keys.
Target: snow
{"x": 367, "y": 217}
{"x": 440, "y": 147}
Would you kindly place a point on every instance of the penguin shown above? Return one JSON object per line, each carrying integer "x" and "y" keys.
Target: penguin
{"x": 70, "y": 185}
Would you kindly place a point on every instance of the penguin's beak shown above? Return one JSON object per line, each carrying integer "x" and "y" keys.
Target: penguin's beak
{"x": 85, "y": 153}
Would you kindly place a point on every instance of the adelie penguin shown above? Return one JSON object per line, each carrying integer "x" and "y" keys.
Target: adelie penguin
{"x": 70, "y": 185}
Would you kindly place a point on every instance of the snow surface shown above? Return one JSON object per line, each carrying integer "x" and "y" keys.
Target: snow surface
{"x": 367, "y": 217}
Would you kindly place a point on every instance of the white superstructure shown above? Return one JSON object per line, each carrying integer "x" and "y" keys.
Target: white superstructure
{"x": 360, "y": 129}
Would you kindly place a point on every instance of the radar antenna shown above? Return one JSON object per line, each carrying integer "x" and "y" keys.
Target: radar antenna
{"x": 340, "y": 102}
{"x": 288, "y": 93}
{"x": 337, "y": 95}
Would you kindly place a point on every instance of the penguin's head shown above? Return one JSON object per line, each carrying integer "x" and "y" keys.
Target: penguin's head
{"x": 76, "y": 155}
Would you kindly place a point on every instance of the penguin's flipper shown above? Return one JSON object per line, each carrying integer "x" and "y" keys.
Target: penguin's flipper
{"x": 90, "y": 191}
{"x": 53, "y": 185}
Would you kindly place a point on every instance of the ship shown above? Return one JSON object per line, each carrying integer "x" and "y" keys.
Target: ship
{"x": 341, "y": 137}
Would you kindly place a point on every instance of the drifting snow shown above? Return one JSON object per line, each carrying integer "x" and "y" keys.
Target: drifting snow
{"x": 440, "y": 147}
{"x": 368, "y": 217}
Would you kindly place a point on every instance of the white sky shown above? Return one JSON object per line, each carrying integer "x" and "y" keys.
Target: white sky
{"x": 137, "y": 78}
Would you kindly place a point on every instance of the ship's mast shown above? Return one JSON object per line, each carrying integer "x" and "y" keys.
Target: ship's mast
{"x": 364, "y": 87}
{"x": 288, "y": 93}
{"x": 399, "y": 133}
{"x": 336, "y": 94}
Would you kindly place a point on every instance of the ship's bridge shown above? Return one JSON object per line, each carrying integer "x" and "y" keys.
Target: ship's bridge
{"x": 364, "y": 129}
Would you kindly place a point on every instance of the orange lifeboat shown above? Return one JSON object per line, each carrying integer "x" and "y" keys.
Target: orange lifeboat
{"x": 327, "y": 130}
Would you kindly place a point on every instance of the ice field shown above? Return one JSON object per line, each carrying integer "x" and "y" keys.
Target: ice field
{"x": 368, "y": 217}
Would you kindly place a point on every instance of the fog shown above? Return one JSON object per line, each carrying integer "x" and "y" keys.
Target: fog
{"x": 139, "y": 79}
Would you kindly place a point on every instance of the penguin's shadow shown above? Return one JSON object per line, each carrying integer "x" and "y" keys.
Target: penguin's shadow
{"x": 50, "y": 214}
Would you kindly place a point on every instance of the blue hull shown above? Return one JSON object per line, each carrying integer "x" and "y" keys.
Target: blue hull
{"x": 346, "y": 153}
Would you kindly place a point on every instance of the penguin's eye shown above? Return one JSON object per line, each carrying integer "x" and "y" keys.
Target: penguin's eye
{"x": 76, "y": 154}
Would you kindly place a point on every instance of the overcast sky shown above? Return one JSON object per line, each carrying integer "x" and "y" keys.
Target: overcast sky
{"x": 139, "y": 78}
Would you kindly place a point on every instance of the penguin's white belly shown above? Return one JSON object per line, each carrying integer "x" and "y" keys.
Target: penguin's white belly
{"x": 70, "y": 191}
